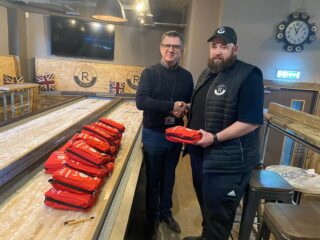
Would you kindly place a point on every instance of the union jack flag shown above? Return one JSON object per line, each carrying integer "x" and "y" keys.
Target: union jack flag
{"x": 46, "y": 82}
{"x": 12, "y": 80}
{"x": 116, "y": 87}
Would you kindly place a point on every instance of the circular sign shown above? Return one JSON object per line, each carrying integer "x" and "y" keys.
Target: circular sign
{"x": 85, "y": 76}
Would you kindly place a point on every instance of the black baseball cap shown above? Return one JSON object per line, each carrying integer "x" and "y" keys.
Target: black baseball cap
{"x": 226, "y": 33}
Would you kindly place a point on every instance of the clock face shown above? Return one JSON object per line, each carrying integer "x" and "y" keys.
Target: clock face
{"x": 297, "y": 32}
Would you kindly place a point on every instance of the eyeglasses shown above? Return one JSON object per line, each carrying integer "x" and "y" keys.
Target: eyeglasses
{"x": 168, "y": 46}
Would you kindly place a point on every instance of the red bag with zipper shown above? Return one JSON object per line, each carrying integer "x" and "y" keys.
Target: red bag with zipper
{"x": 93, "y": 141}
{"x": 74, "y": 181}
{"x": 110, "y": 130}
{"x": 84, "y": 153}
{"x": 55, "y": 161}
{"x": 113, "y": 124}
{"x": 183, "y": 135}
{"x": 113, "y": 148}
{"x": 66, "y": 145}
{"x": 65, "y": 200}
{"x": 91, "y": 171}
{"x": 101, "y": 134}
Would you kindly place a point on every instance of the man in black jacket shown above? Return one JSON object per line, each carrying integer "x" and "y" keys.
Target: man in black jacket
{"x": 227, "y": 108}
{"x": 163, "y": 91}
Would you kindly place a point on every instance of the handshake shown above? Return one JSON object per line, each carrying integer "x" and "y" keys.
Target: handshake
{"x": 180, "y": 109}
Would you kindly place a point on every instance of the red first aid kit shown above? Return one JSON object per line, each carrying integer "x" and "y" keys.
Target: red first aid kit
{"x": 113, "y": 124}
{"x": 113, "y": 148}
{"x": 101, "y": 171}
{"x": 68, "y": 201}
{"x": 183, "y": 135}
{"x": 110, "y": 130}
{"x": 93, "y": 141}
{"x": 84, "y": 153}
{"x": 109, "y": 166}
{"x": 55, "y": 161}
{"x": 75, "y": 181}
{"x": 101, "y": 134}
{"x": 66, "y": 145}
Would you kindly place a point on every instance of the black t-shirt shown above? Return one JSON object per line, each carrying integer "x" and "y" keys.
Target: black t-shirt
{"x": 197, "y": 118}
{"x": 250, "y": 105}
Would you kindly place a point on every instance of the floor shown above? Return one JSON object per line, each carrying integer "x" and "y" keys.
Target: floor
{"x": 185, "y": 209}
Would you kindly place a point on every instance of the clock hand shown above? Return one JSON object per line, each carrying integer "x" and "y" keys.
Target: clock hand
{"x": 297, "y": 29}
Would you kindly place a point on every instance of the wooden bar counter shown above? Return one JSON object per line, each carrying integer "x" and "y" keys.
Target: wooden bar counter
{"x": 23, "y": 215}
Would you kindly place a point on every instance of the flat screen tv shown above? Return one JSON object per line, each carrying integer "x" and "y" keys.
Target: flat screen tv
{"x": 81, "y": 39}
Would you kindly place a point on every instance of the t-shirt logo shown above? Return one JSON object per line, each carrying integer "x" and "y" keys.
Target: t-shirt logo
{"x": 220, "y": 90}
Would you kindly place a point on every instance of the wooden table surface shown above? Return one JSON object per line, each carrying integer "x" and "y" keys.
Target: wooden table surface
{"x": 24, "y": 215}
{"x": 18, "y": 141}
{"x": 298, "y": 178}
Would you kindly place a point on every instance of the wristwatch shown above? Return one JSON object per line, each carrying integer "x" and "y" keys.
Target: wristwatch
{"x": 215, "y": 140}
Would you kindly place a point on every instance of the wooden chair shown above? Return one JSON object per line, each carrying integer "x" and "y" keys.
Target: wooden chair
{"x": 289, "y": 221}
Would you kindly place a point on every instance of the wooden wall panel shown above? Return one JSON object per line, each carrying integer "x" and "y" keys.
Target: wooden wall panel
{"x": 8, "y": 65}
{"x": 84, "y": 76}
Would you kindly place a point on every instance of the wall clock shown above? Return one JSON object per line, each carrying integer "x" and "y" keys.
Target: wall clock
{"x": 296, "y": 31}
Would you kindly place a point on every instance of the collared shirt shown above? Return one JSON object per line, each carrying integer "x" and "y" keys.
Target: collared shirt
{"x": 165, "y": 65}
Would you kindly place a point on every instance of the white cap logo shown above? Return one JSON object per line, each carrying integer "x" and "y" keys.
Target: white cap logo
{"x": 221, "y": 30}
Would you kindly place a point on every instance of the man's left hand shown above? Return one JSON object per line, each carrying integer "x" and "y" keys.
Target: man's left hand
{"x": 206, "y": 140}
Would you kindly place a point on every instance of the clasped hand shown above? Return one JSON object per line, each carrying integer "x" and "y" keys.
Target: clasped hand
{"x": 179, "y": 109}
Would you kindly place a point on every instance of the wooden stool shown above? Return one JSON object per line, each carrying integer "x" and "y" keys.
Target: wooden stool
{"x": 266, "y": 185}
{"x": 289, "y": 221}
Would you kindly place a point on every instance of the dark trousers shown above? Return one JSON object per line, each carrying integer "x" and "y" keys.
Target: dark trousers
{"x": 161, "y": 158}
{"x": 196, "y": 160}
{"x": 221, "y": 196}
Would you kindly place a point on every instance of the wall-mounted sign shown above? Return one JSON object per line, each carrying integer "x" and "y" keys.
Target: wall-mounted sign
{"x": 288, "y": 74}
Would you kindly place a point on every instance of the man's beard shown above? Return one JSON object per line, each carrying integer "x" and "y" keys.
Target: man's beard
{"x": 219, "y": 67}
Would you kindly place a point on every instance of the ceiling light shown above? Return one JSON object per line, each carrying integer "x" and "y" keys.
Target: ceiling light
{"x": 140, "y": 7}
{"x": 110, "y": 11}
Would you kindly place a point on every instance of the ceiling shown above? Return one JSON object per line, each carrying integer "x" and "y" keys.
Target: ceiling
{"x": 166, "y": 13}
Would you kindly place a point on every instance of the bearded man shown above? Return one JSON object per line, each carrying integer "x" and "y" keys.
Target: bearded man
{"x": 227, "y": 108}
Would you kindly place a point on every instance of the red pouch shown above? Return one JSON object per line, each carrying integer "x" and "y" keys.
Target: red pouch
{"x": 66, "y": 145}
{"x": 183, "y": 135}
{"x": 82, "y": 152}
{"x": 110, "y": 130}
{"x": 75, "y": 181}
{"x": 89, "y": 170}
{"x": 69, "y": 201}
{"x": 93, "y": 141}
{"x": 109, "y": 166}
{"x": 113, "y": 148}
{"x": 113, "y": 124}
{"x": 98, "y": 132}
{"x": 55, "y": 161}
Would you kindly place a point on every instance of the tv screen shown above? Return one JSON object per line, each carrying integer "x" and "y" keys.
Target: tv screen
{"x": 79, "y": 38}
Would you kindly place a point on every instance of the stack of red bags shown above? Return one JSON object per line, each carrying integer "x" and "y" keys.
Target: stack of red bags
{"x": 80, "y": 166}
{"x": 183, "y": 135}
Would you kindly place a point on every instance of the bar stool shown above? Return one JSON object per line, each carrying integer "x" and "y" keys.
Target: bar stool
{"x": 289, "y": 221}
{"x": 266, "y": 185}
